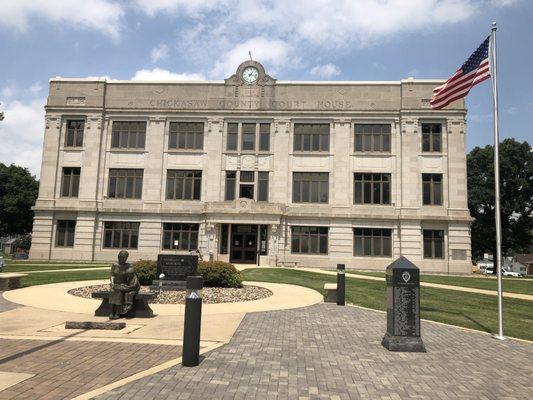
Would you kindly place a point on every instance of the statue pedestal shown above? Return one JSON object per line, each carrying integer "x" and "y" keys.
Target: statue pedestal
{"x": 167, "y": 285}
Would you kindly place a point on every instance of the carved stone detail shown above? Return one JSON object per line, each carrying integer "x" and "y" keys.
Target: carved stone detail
{"x": 407, "y": 123}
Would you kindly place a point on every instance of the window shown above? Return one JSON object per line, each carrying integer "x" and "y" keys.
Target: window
{"x": 432, "y": 189}
{"x": 264, "y": 137}
{"x": 263, "y": 240}
{"x": 372, "y": 242}
{"x": 372, "y": 188}
{"x": 128, "y": 134}
{"x": 311, "y": 137}
{"x": 224, "y": 238}
{"x": 431, "y": 137}
{"x": 70, "y": 184}
{"x": 248, "y": 137}
{"x": 310, "y": 187}
{"x": 262, "y": 194}
{"x": 186, "y": 135}
{"x": 231, "y": 182}
{"x": 247, "y": 185}
{"x": 74, "y": 136}
{"x": 125, "y": 184}
{"x": 246, "y": 188}
{"x": 233, "y": 134}
{"x": 121, "y": 235}
{"x": 309, "y": 240}
{"x": 372, "y": 137}
{"x": 65, "y": 233}
{"x": 433, "y": 243}
{"x": 183, "y": 185}
{"x": 185, "y": 234}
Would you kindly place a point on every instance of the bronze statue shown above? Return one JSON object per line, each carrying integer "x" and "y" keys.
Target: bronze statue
{"x": 124, "y": 286}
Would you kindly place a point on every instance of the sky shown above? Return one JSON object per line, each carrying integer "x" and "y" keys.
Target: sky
{"x": 294, "y": 40}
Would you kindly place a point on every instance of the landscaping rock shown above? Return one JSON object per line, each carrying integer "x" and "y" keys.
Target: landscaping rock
{"x": 210, "y": 295}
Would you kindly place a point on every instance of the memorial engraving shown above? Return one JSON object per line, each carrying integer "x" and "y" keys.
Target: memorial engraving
{"x": 175, "y": 268}
{"x": 403, "y": 307}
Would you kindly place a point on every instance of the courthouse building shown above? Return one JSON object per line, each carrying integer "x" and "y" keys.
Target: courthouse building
{"x": 254, "y": 170}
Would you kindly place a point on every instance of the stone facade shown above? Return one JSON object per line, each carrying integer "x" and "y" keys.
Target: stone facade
{"x": 402, "y": 105}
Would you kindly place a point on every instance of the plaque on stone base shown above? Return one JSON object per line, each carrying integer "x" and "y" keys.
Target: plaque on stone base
{"x": 403, "y": 307}
{"x": 175, "y": 268}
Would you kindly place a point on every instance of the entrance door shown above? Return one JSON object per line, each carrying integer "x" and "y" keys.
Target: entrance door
{"x": 243, "y": 244}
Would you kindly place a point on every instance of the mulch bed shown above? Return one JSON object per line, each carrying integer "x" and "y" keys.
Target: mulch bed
{"x": 210, "y": 295}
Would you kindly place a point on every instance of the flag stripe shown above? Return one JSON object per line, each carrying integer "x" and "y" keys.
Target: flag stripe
{"x": 452, "y": 90}
{"x": 475, "y": 70}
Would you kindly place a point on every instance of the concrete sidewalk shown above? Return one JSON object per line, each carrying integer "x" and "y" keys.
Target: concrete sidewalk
{"x": 425, "y": 284}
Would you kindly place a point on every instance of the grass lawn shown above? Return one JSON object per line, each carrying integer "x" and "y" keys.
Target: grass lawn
{"x": 37, "y": 267}
{"x": 470, "y": 310}
{"x": 55, "y": 277}
{"x": 514, "y": 285}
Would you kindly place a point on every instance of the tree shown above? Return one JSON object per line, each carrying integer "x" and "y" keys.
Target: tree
{"x": 516, "y": 198}
{"x": 18, "y": 192}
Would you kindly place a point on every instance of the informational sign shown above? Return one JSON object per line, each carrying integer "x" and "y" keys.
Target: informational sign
{"x": 176, "y": 267}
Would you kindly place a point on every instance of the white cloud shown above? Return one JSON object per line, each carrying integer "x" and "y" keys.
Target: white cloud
{"x": 100, "y": 15}
{"x": 276, "y": 53}
{"x": 21, "y": 134}
{"x": 159, "y": 52}
{"x": 8, "y": 92}
{"x": 35, "y": 88}
{"x": 158, "y": 74}
{"x": 191, "y": 7}
{"x": 511, "y": 110}
{"x": 504, "y": 3}
{"x": 325, "y": 71}
{"x": 302, "y": 29}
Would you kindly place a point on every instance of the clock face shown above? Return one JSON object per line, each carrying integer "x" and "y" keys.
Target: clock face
{"x": 250, "y": 74}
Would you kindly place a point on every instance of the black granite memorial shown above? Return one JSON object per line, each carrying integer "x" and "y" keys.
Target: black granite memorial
{"x": 175, "y": 268}
{"x": 403, "y": 307}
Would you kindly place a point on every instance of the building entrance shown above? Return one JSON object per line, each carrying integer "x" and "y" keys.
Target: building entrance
{"x": 243, "y": 244}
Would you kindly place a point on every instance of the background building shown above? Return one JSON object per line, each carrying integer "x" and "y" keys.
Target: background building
{"x": 254, "y": 170}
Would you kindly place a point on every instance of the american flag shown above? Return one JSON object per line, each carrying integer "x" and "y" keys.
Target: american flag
{"x": 475, "y": 70}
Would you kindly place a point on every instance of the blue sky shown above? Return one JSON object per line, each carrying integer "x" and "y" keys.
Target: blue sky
{"x": 295, "y": 40}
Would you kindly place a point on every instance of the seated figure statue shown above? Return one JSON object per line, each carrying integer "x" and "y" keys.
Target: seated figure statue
{"x": 124, "y": 286}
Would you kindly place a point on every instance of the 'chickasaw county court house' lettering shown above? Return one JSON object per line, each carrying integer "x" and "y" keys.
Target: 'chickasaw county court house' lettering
{"x": 254, "y": 170}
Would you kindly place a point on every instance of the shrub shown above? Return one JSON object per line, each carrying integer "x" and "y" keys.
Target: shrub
{"x": 146, "y": 271}
{"x": 219, "y": 274}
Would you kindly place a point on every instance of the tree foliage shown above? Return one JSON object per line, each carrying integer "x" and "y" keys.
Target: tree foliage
{"x": 18, "y": 192}
{"x": 516, "y": 198}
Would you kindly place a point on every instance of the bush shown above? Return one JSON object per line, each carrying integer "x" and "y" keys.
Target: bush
{"x": 219, "y": 274}
{"x": 146, "y": 271}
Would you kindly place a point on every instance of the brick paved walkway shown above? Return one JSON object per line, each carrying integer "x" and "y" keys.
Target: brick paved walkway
{"x": 64, "y": 369}
{"x": 330, "y": 352}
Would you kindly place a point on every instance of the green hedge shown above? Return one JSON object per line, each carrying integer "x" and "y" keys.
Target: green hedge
{"x": 215, "y": 273}
{"x": 219, "y": 274}
{"x": 146, "y": 271}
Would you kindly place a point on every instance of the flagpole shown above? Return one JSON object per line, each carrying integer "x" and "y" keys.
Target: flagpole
{"x": 494, "y": 75}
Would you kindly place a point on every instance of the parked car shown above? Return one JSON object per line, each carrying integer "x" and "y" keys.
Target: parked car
{"x": 2, "y": 263}
{"x": 511, "y": 273}
{"x": 20, "y": 256}
{"x": 490, "y": 271}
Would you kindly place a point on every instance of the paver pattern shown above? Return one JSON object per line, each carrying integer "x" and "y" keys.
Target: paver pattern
{"x": 65, "y": 369}
{"x": 331, "y": 352}
{"x": 6, "y": 305}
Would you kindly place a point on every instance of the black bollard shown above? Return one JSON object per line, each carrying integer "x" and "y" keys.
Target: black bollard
{"x": 341, "y": 285}
{"x": 193, "y": 321}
